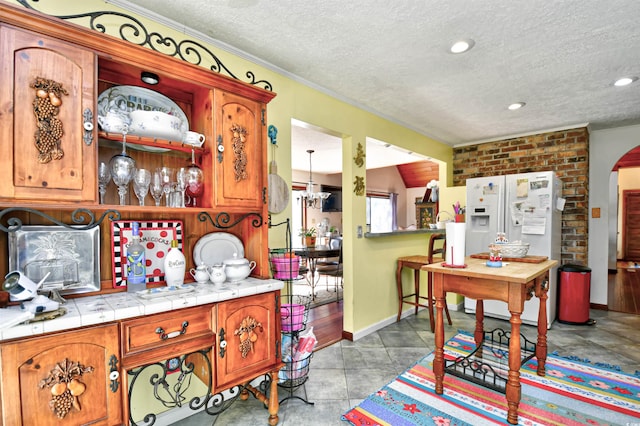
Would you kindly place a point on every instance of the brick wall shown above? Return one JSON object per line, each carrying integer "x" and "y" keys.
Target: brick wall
{"x": 565, "y": 152}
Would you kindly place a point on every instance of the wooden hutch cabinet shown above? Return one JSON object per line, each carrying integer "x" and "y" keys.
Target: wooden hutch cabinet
{"x": 52, "y": 73}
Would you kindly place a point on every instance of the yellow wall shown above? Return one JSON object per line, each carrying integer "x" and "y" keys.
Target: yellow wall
{"x": 370, "y": 294}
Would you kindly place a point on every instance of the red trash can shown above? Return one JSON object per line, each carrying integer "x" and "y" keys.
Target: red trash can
{"x": 573, "y": 295}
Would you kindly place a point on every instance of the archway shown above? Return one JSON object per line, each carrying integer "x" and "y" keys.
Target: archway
{"x": 624, "y": 206}
{"x": 606, "y": 148}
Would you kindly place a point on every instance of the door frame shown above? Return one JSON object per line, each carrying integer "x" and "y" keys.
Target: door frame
{"x": 626, "y": 194}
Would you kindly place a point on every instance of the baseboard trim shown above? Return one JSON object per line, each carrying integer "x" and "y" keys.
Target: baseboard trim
{"x": 390, "y": 320}
{"x": 598, "y": 306}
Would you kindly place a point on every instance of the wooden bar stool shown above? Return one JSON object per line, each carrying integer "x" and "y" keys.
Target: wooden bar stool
{"x": 416, "y": 262}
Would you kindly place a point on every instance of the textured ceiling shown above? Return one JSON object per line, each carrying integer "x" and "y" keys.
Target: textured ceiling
{"x": 392, "y": 58}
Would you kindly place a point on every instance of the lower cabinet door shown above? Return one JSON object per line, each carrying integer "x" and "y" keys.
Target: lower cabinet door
{"x": 67, "y": 379}
{"x": 246, "y": 343}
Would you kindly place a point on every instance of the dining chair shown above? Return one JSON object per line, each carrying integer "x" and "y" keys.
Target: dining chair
{"x": 415, "y": 262}
{"x": 334, "y": 243}
{"x": 334, "y": 270}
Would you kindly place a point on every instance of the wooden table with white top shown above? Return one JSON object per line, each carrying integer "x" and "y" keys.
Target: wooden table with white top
{"x": 513, "y": 283}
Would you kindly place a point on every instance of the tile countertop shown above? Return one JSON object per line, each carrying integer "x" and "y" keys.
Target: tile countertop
{"x": 92, "y": 310}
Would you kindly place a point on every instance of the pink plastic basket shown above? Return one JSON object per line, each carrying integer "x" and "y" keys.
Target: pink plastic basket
{"x": 285, "y": 268}
{"x": 292, "y": 317}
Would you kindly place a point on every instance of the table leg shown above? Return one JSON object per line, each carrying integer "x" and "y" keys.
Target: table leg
{"x": 311, "y": 262}
{"x": 429, "y": 296}
{"x": 273, "y": 405}
{"x": 399, "y": 286}
{"x": 541, "y": 289}
{"x": 416, "y": 289}
{"x": 478, "y": 334}
{"x": 513, "y": 382}
{"x": 438, "y": 361}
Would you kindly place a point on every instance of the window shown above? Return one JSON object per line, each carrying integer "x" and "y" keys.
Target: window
{"x": 380, "y": 213}
{"x": 297, "y": 214}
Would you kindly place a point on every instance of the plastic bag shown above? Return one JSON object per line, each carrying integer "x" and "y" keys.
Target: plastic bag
{"x": 306, "y": 344}
{"x": 296, "y": 354}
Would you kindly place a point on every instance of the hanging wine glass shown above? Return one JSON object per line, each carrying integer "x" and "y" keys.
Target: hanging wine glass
{"x": 167, "y": 181}
{"x": 122, "y": 168}
{"x": 195, "y": 181}
{"x": 104, "y": 176}
{"x": 156, "y": 188}
{"x": 181, "y": 183}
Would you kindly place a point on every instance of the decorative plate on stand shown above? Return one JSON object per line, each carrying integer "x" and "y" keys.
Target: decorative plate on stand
{"x": 216, "y": 247}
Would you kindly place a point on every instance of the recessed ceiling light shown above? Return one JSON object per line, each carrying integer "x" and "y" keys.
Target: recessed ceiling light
{"x": 516, "y": 106}
{"x": 462, "y": 46}
{"x": 625, "y": 81}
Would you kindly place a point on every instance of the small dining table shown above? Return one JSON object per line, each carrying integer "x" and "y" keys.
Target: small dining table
{"x": 312, "y": 254}
{"x": 513, "y": 283}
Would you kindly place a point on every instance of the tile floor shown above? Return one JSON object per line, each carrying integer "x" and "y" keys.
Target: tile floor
{"x": 343, "y": 374}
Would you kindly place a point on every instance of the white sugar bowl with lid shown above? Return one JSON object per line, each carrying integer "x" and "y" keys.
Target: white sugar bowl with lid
{"x": 237, "y": 269}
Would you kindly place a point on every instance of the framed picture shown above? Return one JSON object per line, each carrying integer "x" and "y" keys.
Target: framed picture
{"x": 155, "y": 236}
{"x": 425, "y": 213}
{"x": 68, "y": 260}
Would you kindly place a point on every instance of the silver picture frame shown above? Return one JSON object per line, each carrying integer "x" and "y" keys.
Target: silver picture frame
{"x": 70, "y": 256}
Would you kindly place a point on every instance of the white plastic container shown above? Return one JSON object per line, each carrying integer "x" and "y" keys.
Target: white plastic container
{"x": 174, "y": 266}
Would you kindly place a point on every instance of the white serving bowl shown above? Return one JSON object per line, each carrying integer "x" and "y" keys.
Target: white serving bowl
{"x": 237, "y": 269}
{"x": 156, "y": 124}
{"x": 113, "y": 122}
{"x": 514, "y": 250}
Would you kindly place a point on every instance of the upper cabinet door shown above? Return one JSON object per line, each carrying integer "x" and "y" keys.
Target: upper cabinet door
{"x": 46, "y": 88}
{"x": 240, "y": 173}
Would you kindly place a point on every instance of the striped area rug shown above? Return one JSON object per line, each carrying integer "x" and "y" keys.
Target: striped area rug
{"x": 572, "y": 393}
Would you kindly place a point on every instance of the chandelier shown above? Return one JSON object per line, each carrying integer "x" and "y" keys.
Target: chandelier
{"x": 313, "y": 199}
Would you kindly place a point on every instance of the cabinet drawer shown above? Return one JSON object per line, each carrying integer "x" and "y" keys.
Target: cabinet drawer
{"x": 167, "y": 330}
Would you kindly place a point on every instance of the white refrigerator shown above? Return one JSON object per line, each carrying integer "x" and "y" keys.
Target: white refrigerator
{"x": 528, "y": 208}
